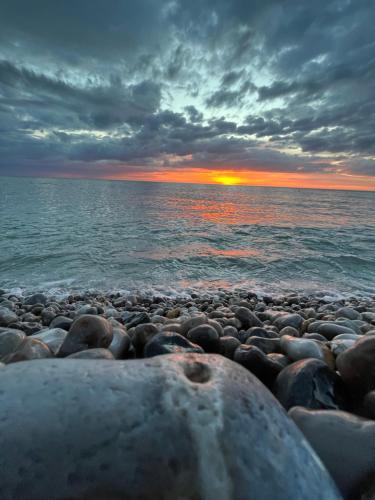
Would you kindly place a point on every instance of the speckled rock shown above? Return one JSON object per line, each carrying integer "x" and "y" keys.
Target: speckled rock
{"x": 344, "y": 442}
{"x": 310, "y": 383}
{"x": 172, "y": 423}
{"x": 86, "y": 332}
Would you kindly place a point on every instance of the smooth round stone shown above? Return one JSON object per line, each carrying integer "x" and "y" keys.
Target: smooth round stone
{"x": 301, "y": 348}
{"x": 282, "y": 360}
{"x": 217, "y": 326}
{"x": 36, "y": 298}
{"x": 29, "y": 327}
{"x": 53, "y": 338}
{"x": 87, "y": 332}
{"x": 192, "y": 322}
{"x": 10, "y": 340}
{"x": 120, "y": 344}
{"x": 29, "y": 349}
{"x": 170, "y": 343}
{"x": 369, "y": 404}
{"x": 345, "y": 443}
{"x": 143, "y": 333}
{"x": 247, "y": 317}
{"x": 96, "y": 353}
{"x": 132, "y": 319}
{"x": 256, "y": 361}
{"x": 7, "y": 316}
{"x": 369, "y": 316}
{"x": 264, "y": 344}
{"x": 257, "y": 331}
{"x": 293, "y": 320}
{"x": 357, "y": 367}
{"x": 47, "y": 316}
{"x": 205, "y": 336}
{"x": 228, "y": 346}
{"x": 61, "y": 322}
{"x": 289, "y": 330}
{"x": 330, "y": 330}
{"x": 347, "y": 312}
{"x": 29, "y": 318}
{"x": 171, "y": 422}
{"x": 310, "y": 383}
{"x": 230, "y": 331}
{"x": 346, "y": 336}
{"x": 338, "y": 346}
{"x": 314, "y": 336}
{"x": 172, "y": 327}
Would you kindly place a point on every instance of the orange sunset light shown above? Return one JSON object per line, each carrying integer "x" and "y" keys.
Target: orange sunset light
{"x": 245, "y": 177}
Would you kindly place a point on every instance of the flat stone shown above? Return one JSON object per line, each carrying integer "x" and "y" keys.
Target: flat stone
{"x": 86, "y": 332}
{"x": 310, "y": 383}
{"x": 175, "y": 426}
{"x": 345, "y": 443}
{"x": 329, "y": 330}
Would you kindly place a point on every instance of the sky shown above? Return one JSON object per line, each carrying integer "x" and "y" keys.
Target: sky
{"x": 258, "y": 92}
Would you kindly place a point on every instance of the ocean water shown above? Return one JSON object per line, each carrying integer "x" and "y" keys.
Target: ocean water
{"x": 60, "y": 235}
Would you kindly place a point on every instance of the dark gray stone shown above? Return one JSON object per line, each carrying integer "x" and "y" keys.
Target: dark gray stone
{"x": 10, "y": 340}
{"x": 97, "y": 353}
{"x": 256, "y": 361}
{"x": 132, "y": 319}
{"x": 357, "y": 367}
{"x": 205, "y": 336}
{"x": 310, "y": 383}
{"x": 61, "y": 322}
{"x": 36, "y": 298}
{"x": 345, "y": 443}
{"x": 120, "y": 344}
{"x": 7, "y": 316}
{"x": 169, "y": 343}
{"x": 228, "y": 346}
{"x": 86, "y": 332}
{"x": 142, "y": 334}
{"x": 177, "y": 426}
{"x": 294, "y": 320}
{"x": 247, "y": 317}
{"x": 29, "y": 349}
{"x": 264, "y": 344}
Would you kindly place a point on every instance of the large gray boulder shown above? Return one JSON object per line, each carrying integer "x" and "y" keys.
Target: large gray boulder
{"x": 172, "y": 427}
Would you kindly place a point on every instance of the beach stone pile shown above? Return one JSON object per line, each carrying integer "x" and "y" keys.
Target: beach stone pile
{"x": 187, "y": 397}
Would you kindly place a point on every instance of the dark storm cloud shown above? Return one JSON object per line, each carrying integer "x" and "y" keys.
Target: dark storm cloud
{"x": 93, "y": 84}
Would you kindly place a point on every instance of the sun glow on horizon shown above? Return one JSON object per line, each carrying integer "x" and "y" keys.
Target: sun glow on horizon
{"x": 227, "y": 179}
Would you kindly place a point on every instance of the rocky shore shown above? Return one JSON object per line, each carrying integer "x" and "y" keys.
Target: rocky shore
{"x": 225, "y": 396}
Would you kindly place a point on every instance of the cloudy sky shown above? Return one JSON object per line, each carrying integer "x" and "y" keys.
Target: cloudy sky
{"x": 241, "y": 91}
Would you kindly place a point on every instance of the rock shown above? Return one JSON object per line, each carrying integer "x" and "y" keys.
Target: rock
{"x": 29, "y": 349}
{"x": 53, "y": 338}
{"x": 347, "y": 312}
{"x": 47, "y": 316}
{"x": 135, "y": 318}
{"x": 369, "y": 404}
{"x": 289, "y": 330}
{"x": 231, "y": 331}
{"x": 217, "y": 326}
{"x": 172, "y": 327}
{"x": 310, "y": 383}
{"x": 256, "y": 361}
{"x": 329, "y": 330}
{"x": 10, "y": 340}
{"x": 314, "y": 336}
{"x": 61, "y": 322}
{"x": 356, "y": 365}
{"x": 86, "y": 332}
{"x": 169, "y": 343}
{"x": 205, "y": 336}
{"x": 36, "y": 298}
{"x": 256, "y": 331}
{"x": 29, "y": 327}
{"x": 87, "y": 309}
{"x": 120, "y": 344}
{"x": 191, "y": 323}
{"x": 340, "y": 345}
{"x": 228, "y": 345}
{"x": 96, "y": 353}
{"x": 264, "y": 344}
{"x": 172, "y": 423}
{"x": 247, "y": 317}
{"x": 282, "y": 360}
{"x": 301, "y": 348}
{"x": 142, "y": 334}
{"x": 7, "y": 316}
{"x": 293, "y": 320}
{"x": 352, "y": 462}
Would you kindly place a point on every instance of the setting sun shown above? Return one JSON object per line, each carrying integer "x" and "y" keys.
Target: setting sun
{"x": 228, "y": 180}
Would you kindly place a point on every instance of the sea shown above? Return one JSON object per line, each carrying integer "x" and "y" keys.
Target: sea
{"x": 66, "y": 235}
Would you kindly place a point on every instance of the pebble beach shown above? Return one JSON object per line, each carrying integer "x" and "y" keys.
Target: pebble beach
{"x": 282, "y": 381}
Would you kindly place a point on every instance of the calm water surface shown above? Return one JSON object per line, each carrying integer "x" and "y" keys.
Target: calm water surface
{"x": 79, "y": 234}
